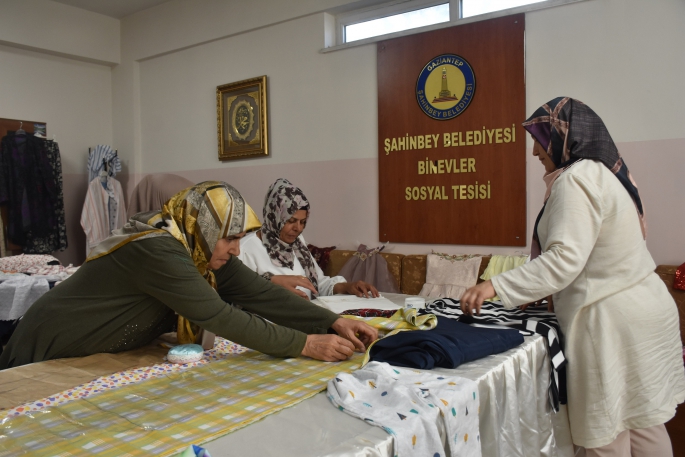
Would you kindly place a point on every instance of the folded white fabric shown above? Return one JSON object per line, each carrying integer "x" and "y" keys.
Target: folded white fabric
{"x": 426, "y": 413}
{"x": 449, "y": 278}
{"x": 18, "y": 293}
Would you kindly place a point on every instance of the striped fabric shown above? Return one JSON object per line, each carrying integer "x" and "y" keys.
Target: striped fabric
{"x": 528, "y": 322}
{"x": 95, "y": 161}
{"x": 161, "y": 416}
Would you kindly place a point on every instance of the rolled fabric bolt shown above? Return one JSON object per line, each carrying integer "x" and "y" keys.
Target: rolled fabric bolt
{"x": 415, "y": 302}
{"x": 185, "y": 353}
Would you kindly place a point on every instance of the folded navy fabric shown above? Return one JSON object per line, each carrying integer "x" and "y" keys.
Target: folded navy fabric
{"x": 448, "y": 345}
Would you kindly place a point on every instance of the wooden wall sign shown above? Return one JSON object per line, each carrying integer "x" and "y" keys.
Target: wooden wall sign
{"x": 451, "y": 149}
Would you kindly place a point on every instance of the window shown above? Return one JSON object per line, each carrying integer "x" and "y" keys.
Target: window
{"x": 475, "y": 7}
{"x": 400, "y": 15}
{"x": 397, "y": 22}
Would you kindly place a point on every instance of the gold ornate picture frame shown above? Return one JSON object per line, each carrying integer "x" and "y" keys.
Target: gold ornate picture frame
{"x": 242, "y": 119}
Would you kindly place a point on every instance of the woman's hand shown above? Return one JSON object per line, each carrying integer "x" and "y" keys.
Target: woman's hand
{"x": 329, "y": 348}
{"x": 550, "y": 304}
{"x": 290, "y": 282}
{"x": 474, "y": 297}
{"x": 357, "y": 332}
{"x": 359, "y": 288}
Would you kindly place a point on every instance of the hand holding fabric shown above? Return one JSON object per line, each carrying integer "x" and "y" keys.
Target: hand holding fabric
{"x": 359, "y": 333}
{"x": 291, "y": 282}
{"x": 359, "y": 288}
{"x": 474, "y": 297}
{"x": 329, "y": 348}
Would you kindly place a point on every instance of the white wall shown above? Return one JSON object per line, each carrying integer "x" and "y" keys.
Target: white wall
{"x": 321, "y": 106}
{"x": 178, "y": 24}
{"x": 622, "y": 57}
{"x": 53, "y": 28}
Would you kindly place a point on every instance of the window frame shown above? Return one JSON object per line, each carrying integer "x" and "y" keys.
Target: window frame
{"x": 383, "y": 10}
{"x": 380, "y": 10}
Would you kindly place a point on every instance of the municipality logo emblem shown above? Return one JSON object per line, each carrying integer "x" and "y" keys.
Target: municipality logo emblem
{"x": 445, "y": 87}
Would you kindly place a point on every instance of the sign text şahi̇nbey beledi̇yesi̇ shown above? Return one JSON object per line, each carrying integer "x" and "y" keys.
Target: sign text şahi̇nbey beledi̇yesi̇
{"x": 450, "y": 139}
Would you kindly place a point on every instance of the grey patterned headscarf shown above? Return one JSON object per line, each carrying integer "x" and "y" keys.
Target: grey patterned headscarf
{"x": 282, "y": 201}
{"x": 570, "y": 131}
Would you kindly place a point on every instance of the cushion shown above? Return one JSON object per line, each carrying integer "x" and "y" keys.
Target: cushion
{"x": 447, "y": 277}
{"x": 499, "y": 264}
{"x": 185, "y": 353}
{"x": 321, "y": 255}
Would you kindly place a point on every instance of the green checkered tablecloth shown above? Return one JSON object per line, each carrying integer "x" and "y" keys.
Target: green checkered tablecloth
{"x": 161, "y": 416}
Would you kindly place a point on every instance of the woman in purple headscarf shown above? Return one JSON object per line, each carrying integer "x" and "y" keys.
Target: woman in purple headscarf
{"x": 625, "y": 372}
{"x": 279, "y": 253}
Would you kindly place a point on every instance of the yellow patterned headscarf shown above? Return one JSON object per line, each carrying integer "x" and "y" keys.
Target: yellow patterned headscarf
{"x": 197, "y": 217}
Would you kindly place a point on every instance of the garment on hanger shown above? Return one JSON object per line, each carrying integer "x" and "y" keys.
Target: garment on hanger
{"x": 103, "y": 211}
{"x": 29, "y": 178}
{"x": 57, "y": 238}
{"x": 111, "y": 164}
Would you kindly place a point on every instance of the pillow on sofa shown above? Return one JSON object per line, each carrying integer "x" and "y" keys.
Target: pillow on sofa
{"x": 321, "y": 255}
{"x": 449, "y": 278}
{"x": 499, "y": 264}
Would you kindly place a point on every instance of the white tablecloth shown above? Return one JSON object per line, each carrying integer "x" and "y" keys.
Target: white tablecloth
{"x": 515, "y": 417}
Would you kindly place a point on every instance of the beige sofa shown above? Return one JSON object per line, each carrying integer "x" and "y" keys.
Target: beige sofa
{"x": 409, "y": 271}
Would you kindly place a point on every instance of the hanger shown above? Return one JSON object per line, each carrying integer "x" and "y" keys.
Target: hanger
{"x": 103, "y": 172}
{"x": 20, "y": 131}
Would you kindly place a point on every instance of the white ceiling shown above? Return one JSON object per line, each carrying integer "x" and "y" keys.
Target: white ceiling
{"x": 113, "y": 8}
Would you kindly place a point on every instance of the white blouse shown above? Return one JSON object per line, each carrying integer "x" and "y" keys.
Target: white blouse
{"x": 254, "y": 255}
